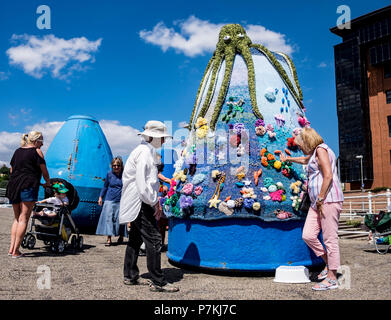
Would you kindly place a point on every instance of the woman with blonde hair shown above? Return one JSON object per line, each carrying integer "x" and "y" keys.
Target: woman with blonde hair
{"x": 326, "y": 197}
{"x": 27, "y": 166}
{"x": 110, "y": 197}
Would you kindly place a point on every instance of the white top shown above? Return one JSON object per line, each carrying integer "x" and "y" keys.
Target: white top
{"x": 57, "y": 201}
{"x": 140, "y": 182}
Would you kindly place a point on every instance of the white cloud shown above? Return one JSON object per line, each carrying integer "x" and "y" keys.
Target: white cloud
{"x": 121, "y": 138}
{"x": 37, "y": 56}
{"x": 197, "y": 37}
{"x": 322, "y": 65}
{"x": 274, "y": 41}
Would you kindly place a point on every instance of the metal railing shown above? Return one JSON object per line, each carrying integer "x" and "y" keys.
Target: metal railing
{"x": 2, "y": 192}
{"x": 359, "y": 206}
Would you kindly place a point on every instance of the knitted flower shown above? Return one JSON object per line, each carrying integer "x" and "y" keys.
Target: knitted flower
{"x": 202, "y": 132}
{"x": 264, "y": 161}
{"x": 263, "y": 150}
{"x": 277, "y": 195}
{"x": 248, "y": 203}
{"x": 201, "y": 122}
{"x": 260, "y": 123}
{"x": 180, "y": 175}
{"x": 185, "y": 202}
{"x": 277, "y": 164}
{"x": 187, "y": 188}
{"x": 198, "y": 190}
{"x": 260, "y": 131}
{"x": 172, "y": 188}
{"x": 231, "y": 204}
{"x": 198, "y": 178}
{"x": 270, "y": 157}
{"x": 256, "y": 206}
{"x": 269, "y": 127}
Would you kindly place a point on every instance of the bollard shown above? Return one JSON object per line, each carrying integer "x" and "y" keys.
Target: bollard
{"x": 350, "y": 206}
{"x": 388, "y": 195}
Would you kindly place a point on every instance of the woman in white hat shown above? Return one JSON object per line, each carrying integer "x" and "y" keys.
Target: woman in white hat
{"x": 140, "y": 206}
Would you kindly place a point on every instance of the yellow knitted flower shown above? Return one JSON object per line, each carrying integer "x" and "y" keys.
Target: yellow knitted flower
{"x": 180, "y": 175}
{"x": 200, "y": 122}
{"x": 277, "y": 164}
{"x": 256, "y": 206}
{"x": 202, "y": 131}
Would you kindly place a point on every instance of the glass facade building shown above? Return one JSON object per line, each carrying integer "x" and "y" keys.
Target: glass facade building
{"x": 366, "y": 44}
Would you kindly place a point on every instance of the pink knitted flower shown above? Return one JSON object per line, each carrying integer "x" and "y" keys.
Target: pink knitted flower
{"x": 276, "y": 195}
{"x": 187, "y": 188}
{"x": 198, "y": 190}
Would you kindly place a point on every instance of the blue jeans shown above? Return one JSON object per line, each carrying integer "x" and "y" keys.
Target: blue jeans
{"x": 27, "y": 195}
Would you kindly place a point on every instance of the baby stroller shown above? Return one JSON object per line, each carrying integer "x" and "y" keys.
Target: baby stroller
{"x": 58, "y": 230}
{"x": 380, "y": 225}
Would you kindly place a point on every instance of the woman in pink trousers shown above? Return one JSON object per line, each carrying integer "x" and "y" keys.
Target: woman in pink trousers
{"x": 326, "y": 197}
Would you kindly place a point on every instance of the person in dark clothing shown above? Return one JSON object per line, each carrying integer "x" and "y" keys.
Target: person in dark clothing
{"x": 27, "y": 167}
{"x": 111, "y": 195}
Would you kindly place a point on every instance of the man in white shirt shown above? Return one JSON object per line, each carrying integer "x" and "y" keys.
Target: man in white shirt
{"x": 140, "y": 206}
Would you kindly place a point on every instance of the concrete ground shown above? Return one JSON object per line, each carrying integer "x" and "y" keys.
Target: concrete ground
{"x": 96, "y": 273}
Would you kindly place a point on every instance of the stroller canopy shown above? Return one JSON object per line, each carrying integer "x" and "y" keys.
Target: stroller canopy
{"x": 72, "y": 195}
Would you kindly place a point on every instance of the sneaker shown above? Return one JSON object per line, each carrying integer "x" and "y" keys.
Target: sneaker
{"x": 142, "y": 253}
{"x": 168, "y": 287}
{"x": 138, "y": 282}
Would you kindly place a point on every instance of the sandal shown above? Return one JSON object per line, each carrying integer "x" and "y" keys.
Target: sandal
{"x": 108, "y": 243}
{"x": 323, "y": 274}
{"x": 327, "y": 284}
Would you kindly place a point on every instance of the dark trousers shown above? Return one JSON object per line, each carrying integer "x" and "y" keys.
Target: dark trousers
{"x": 144, "y": 229}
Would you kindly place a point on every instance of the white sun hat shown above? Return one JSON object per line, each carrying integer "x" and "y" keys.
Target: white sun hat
{"x": 155, "y": 129}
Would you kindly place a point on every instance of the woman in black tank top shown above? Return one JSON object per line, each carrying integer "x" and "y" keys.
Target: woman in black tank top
{"x": 27, "y": 167}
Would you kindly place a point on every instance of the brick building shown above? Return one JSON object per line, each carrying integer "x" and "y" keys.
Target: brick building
{"x": 363, "y": 87}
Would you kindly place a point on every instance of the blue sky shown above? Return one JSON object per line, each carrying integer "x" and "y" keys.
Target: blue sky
{"x": 121, "y": 75}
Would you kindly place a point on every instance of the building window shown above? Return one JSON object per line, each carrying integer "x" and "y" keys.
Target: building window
{"x": 389, "y": 125}
{"x": 388, "y": 96}
{"x": 387, "y": 70}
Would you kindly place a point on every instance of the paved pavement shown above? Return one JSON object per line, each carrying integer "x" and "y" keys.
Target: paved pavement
{"x": 96, "y": 273}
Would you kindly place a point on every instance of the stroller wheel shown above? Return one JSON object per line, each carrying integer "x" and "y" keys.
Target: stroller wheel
{"x": 60, "y": 246}
{"x": 53, "y": 247}
{"x": 80, "y": 243}
{"x": 74, "y": 242}
{"x": 30, "y": 241}
{"x": 24, "y": 242}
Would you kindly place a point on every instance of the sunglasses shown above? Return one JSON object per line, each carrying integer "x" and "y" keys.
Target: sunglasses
{"x": 116, "y": 165}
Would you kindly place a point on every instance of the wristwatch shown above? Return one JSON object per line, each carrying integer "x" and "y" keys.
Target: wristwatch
{"x": 320, "y": 199}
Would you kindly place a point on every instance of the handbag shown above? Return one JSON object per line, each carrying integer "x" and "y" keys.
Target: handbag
{"x": 305, "y": 202}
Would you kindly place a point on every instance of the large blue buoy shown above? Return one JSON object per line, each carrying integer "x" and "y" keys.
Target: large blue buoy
{"x": 80, "y": 154}
{"x": 236, "y": 205}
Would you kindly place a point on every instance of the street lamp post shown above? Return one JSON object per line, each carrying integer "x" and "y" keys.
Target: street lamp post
{"x": 362, "y": 175}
